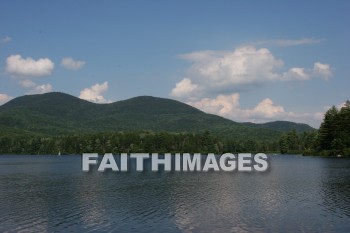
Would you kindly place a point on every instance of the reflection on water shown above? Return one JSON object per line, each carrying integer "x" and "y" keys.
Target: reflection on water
{"x": 43, "y": 193}
{"x": 336, "y": 188}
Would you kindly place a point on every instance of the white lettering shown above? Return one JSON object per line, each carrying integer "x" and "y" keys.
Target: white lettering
{"x": 89, "y": 158}
{"x": 231, "y": 162}
{"x": 108, "y": 162}
{"x": 191, "y": 164}
{"x": 242, "y": 160}
{"x": 156, "y": 161}
{"x": 211, "y": 163}
{"x": 260, "y": 158}
{"x": 139, "y": 160}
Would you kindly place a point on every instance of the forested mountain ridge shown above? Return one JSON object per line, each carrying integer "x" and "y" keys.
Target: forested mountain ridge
{"x": 60, "y": 114}
{"x": 283, "y": 126}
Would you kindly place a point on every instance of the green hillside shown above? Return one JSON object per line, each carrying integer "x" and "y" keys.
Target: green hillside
{"x": 282, "y": 126}
{"x": 59, "y": 113}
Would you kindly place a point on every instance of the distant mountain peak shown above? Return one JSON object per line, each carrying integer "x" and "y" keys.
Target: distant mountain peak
{"x": 58, "y": 113}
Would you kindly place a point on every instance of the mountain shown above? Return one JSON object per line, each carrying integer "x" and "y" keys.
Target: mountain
{"x": 58, "y": 113}
{"x": 282, "y": 126}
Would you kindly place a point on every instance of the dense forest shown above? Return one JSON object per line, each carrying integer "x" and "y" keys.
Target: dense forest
{"x": 121, "y": 142}
{"x": 57, "y": 114}
{"x": 332, "y": 139}
{"x": 334, "y": 132}
{"x": 55, "y": 123}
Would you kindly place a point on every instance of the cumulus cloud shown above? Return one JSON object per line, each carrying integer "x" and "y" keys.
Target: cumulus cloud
{"x": 34, "y": 88}
{"x": 18, "y": 66}
{"x": 41, "y": 89}
{"x": 6, "y": 39}
{"x": 71, "y": 64}
{"x": 228, "y": 106}
{"x": 94, "y": 93}
{"x": 223, "y": 105}
{"x": 292, "y": 42}
{"x": 215, "y": 78}
{"x": 267, "y": 109}
{"x": 296, "y": 74}
{"x": 217, "y": 72}
{"x": 185, "y": 88}
{"x": 5, "y": 98}
{"x": 232, "y": 70}
{"x": 323, "y": 70}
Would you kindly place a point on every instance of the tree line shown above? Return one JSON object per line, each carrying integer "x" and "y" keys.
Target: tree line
{"x": 127, "y": 142}
{"x": 332, "y": 139}
{"x": 334, "y": 132}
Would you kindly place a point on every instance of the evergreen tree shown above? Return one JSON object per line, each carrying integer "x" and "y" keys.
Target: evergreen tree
{"x": 327, "y": 129}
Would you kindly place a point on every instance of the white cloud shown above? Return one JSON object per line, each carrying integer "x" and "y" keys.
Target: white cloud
{"x": 41, "y": 89}
{"x": 266, "y": 110}
{"x": 323, "y": 70}
{"x": 292, "y": 42}
{"x": 228, "y": 106}
{"x": 296, "y": 74}
{"x": 27, "y": 83}
{"x": 71, "y": 64}
{"x": 215, "y": 78}
{"x": 217, "y": 72}
{"x": 5, "y": 98}
{"x": 94, "y": 93}
{"x": 34, "y": 88}
{"x": 6, "y": 39}
{"x": 232, "y": 70}
{"x": 184, "y": 89}
{"x": 223, "y": 105}
{"x": 18, "y": 66}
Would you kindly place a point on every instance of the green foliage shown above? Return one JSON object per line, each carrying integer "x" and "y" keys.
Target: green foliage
{"x": 53, "y": 122}
{"x": 292, "y": 142}
{"x": 332, "y": 139}
{"x": 54, "y": 114}
{"x": 334, "y": 133}
{"x": 283, "y": 126}
{"x": 127, "y": 142}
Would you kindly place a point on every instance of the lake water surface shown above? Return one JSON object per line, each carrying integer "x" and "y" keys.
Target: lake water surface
{"x": 296, "y": 194}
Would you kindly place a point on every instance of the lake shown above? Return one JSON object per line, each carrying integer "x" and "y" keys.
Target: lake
{"x": 296, "y": 194}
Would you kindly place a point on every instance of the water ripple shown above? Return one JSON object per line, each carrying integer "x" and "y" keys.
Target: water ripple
{"x": 55, "y": 196}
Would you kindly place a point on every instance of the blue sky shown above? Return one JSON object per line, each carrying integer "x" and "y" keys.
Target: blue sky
{"x": 244, "y": 60}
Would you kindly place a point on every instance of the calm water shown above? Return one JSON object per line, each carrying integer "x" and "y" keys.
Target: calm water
{"x": 297, "y": 194}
